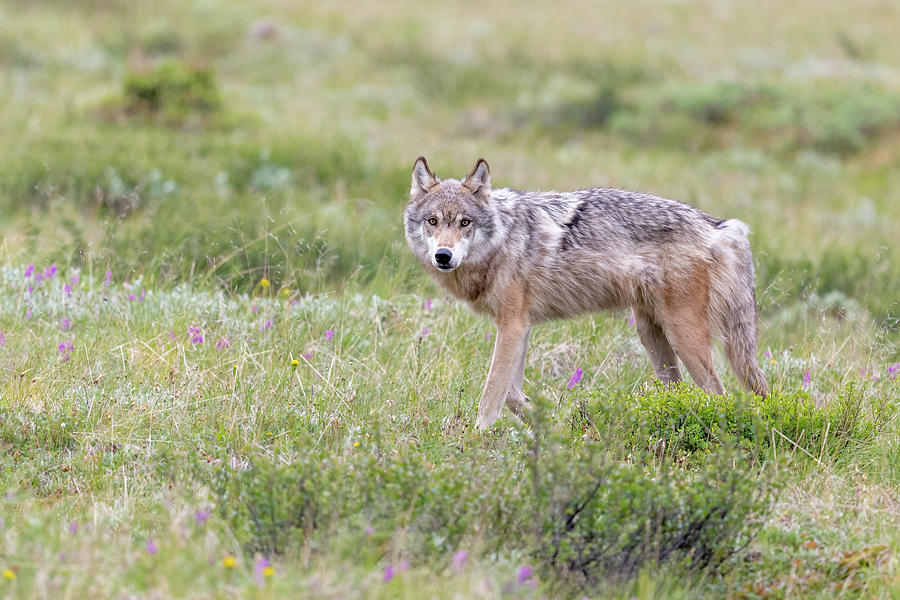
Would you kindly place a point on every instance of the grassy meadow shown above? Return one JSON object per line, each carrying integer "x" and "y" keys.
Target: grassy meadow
{"x": 223, "y": 374}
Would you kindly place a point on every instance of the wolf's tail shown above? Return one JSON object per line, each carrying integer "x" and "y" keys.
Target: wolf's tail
{"x": 733, "y": 303}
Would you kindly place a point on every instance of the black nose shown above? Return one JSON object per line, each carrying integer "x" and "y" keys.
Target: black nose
{"x": 443, "y": 256}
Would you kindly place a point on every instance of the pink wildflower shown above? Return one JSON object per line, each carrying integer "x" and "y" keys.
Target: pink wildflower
{"x": 523, "y": 574}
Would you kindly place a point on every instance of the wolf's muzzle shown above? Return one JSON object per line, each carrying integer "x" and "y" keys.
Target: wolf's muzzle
{"x": 442, "y": 257}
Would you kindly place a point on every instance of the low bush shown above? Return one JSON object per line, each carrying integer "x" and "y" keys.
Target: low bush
{"x": 583, "y": 510}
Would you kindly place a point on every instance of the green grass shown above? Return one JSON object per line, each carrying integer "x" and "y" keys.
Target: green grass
{"x": 194, "y": 149}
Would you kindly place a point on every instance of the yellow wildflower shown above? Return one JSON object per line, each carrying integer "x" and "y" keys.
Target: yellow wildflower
{"x": 229, "y": 562}
{"x": 9, "y": 574}
{"x": 268, "y": 571}
{"x": 264, "y": 282}
{"x": 295, "y": 363}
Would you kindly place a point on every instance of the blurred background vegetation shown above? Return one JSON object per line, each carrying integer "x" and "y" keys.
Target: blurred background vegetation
{"x": 169, "y": 424}
{"x": 219, "y": 142}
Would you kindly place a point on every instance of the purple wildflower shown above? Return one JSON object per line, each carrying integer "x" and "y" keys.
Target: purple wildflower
{"x": 523, "y": 574}
{"x": 30, "y": 290}
{"x": 223, "y": 343}
{"x": 487, "y": 336}
{"x": 428, "y": 305}
{"x": 425, "y": 331}
{"x": 267, "y": 325}
{"x": 132, "y": 297}
{"x": 29, "y": 271}
{"x": 108, "y": 279}
{"x": 259, "y": 569}
{"x": 308, "y": 356}
{"x": 68, "y": 290}
{"x": 263, "y": 29}
{"x": 73, "y": 528}
{"x": 767, "y": 354}
{"x": 50, "y": 271}
{"x": 65, "y": 349}
{"x": 2, "y": 339}
{"x": 254, "y": 308}
{"x": 404, "y": 566}
{"x": 142, "y": 296}
{"x": 806, "y": 378}
{"x": 631, "y": 321}
{"x": 369, "y": 530}
{"x": 893, "y": 370}
{"x": 28, "y": 314}
{"x": 65, "y": 324}
{"x": 329, "y": 334}
{"x": 151, "y": 547}
{"x": 202, "y": 515}
{"x": 75, "y": 279}
{"x": 196, "y": 335}
{"x": 575, "y": 378}
{"x": 388, "y": 573}
{"x": 459, "y": 560}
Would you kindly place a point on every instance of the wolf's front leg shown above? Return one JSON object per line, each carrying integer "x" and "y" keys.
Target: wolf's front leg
{"x": 516, "y": 400}
{"x": 512, "y": 339}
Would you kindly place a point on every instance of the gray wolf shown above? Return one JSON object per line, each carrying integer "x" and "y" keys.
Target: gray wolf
{"x": 528, "y": 257}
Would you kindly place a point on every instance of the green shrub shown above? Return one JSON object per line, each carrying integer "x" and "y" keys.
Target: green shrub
{"x": 604, "y": 522}
{"x": 685, "y": 423}
{"x": 832, "y": 119}
{"x": 171, "y": 90}
{"x": 585, "y": 511}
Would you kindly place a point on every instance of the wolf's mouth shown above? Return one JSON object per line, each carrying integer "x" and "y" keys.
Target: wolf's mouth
{"x": 445, "y": 267}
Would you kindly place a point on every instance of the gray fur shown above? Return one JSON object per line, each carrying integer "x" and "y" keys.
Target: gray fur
{"x": 529, "y": 257}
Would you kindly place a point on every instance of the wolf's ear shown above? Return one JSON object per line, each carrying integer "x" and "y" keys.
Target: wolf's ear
{"x": 422, "y": 178}
{"x": 479, "y": 180}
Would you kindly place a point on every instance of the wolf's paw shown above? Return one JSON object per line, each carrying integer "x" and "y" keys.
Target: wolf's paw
{"x": 486, "y": 419}
{"x": 520, "y": 406}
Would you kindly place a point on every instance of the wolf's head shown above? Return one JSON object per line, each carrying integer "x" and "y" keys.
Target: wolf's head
{"x": 449, "y": 220}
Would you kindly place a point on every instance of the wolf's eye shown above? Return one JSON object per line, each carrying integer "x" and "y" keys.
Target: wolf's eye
{"x": 432, "y": 221}
{"x": 465, "y": 223}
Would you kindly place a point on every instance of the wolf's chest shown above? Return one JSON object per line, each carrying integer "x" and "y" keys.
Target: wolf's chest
{"x": 470, "y": 285}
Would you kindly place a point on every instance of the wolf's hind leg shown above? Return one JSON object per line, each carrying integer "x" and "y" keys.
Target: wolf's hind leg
{"x": 516, "y": 400}
{"x": 686, "y": 324}
{"x": 654, "y": 339}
